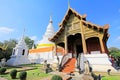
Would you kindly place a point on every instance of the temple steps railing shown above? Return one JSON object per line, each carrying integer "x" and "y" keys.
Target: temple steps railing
{"x": 64, "y": 60}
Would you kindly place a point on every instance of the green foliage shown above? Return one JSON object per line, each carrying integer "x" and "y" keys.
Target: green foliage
{"x": 2, "y": 70}
{"x": 115, "y": 77}
{"x": 56, "y": 77}
{"x": 29, "y": 42}
{"x": 13, "y": 73}
{"x": 10, "y": 45}
{"x": 39, "y": 73}
{"x": 22, "y": 75}
{"x": 114, "y": 52}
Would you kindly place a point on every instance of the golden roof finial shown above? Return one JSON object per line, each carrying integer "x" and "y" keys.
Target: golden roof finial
{"x": 23, "y": 34}
{"x": 51, "y": 18}
{"x": 68, "y": 4}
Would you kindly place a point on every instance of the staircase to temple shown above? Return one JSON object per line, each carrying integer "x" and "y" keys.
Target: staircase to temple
{"x": 69, "y": 66}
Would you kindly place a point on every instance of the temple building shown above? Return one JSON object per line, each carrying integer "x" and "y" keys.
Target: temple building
{"x": 20, "y": 54}
{"x": 46, "y": 49}
{"x": 82, "y": 41}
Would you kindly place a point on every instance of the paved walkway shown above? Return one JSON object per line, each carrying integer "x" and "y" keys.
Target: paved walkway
{"x": 2, "y": 78}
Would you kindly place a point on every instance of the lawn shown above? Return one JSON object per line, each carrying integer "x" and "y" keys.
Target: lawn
{"x": 35, "y": 74}
{"x": 112, "y": 76}
{"x": 39, "y": 74}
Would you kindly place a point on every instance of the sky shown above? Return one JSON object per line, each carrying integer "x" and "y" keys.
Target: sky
{"x": 33, "y": 16}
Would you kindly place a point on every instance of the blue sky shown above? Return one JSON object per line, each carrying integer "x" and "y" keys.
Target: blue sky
{"x": 33, "y": 15}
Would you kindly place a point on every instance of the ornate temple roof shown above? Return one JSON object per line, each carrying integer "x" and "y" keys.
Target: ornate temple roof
{"x": 83, "y": 19}
{"x": 68, "y": 13}
{"x": 21, "y": 43}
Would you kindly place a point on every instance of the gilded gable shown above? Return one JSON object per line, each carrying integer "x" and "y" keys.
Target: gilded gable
{"x": 73, "y": 24}
{"x": 90, "y": 32}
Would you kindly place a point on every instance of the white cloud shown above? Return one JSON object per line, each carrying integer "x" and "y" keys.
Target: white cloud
{"x": 118, "y": 38}
{"x": 6, "y": 30}
{"x": 33, "y": 38}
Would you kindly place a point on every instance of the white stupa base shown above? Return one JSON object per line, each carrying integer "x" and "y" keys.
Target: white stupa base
{"x": 99, "y": 62}
{"x": 19, "y": 60}
{"x": 42, "y": 56}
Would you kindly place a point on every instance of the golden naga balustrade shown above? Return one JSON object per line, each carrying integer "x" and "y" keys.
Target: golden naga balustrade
{"x": 4, "y": 47}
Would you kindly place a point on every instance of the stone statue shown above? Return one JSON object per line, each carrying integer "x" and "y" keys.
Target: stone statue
{"x": 86, "y": 67}
{"x": 45, "y": 64}
{"x": 87, "y": 75}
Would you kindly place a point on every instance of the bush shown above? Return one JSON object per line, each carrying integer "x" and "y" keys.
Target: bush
{"x": 56, "y": 77}
{"x": 94, "y": 76}
{"x": 23, "y": 75}
{"x": 13, "y": 73}
{"x": 2, "y": 70}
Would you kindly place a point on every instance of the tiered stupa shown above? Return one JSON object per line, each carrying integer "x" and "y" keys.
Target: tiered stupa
{"x": 45, "y": 49}
{"x": 48, "y": 34}
{"x": 20, "y": 54}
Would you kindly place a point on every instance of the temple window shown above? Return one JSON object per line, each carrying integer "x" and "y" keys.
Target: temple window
{"x": 23, "y": 52}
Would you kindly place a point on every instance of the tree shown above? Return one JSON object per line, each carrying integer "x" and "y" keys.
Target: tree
{"x": 29, "y": 42}
{"x": 115, "y": 53}
{"x": 1, "y": 52}
{"x": 10, "y": 45}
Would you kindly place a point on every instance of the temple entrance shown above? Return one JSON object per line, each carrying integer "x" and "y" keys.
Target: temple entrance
{"x": 79, "y": 50}
{"x": 75, "y": 45}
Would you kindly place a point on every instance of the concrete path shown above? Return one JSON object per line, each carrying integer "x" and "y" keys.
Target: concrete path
{"x": 2, "y": 78}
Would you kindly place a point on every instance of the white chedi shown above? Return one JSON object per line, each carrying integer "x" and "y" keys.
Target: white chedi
{"x": 40, "y": 57}
{"x": 20, "y": 54}
{"x": 48, "y": 34}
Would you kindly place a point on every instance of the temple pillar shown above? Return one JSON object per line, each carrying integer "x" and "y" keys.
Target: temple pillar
{"x": 55, "y": 50}
{"x": 102, "y": 45}
{"x": 66, "y": 43}
{"x": 83, "y": 38}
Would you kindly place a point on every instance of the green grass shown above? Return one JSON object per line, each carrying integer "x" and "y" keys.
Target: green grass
{"x": 35, "y": 74}
{"x": 112, "y": 76}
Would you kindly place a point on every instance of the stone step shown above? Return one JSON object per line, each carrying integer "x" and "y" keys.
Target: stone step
{"x": 69, "y": 66}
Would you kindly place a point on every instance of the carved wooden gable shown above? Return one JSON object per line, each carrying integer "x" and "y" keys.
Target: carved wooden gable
{"x": 61, "y": 37}
{"x": 91, "y": 32}
{"x": 73, "y": 24}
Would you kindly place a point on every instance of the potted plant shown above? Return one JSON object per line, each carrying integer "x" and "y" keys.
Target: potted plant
{"x": 23, "y": 75}
{"x": 13, "y": 73}
{"x": 56, "y": 77}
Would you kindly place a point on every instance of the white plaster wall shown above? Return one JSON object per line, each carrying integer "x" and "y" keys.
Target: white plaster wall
{"x": 99, "y": 62}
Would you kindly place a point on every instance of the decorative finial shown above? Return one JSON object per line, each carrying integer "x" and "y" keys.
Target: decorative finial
{"x": 68, "y": 4}
{"x": 51, "y": 19}
{"x": 23, "y": 34}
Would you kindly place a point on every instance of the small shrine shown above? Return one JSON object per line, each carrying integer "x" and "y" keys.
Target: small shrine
{"x": 20, "y": 54}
